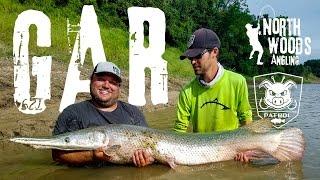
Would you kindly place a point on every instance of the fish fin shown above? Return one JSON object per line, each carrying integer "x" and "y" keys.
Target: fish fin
{"x": 167, "y": 159}
{"x": 264, "y": 161}
{"x": 112, "y": 150}
{"x": 259, "y": 126}
{"x": 291, "y": 146}
{"x": 259, "y": 158}
{"x": 172, "y": 164}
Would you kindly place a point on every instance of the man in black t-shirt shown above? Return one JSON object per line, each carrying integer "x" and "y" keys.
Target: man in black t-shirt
{"x": 103, "y": 108}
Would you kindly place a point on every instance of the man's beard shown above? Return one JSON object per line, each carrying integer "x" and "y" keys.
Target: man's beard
{"x": 102, "y": 103}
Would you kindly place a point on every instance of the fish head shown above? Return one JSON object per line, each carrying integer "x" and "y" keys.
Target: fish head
{"x": 82, "y": 141}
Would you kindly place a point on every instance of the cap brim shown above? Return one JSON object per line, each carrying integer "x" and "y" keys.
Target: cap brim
{"x": 110, "y": 73}
{"x": 191, "y": 53}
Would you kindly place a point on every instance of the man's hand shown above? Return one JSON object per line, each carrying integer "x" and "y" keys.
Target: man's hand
{"x": 142, "y": 158}
{"x": 99, "y": 155}
{"x": 242, "y": 157}
{"x": 246, "y": 122}
{"x": 248, "y": 155}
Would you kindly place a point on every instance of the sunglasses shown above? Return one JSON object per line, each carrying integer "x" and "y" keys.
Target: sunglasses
{"x": 200, "y": 55}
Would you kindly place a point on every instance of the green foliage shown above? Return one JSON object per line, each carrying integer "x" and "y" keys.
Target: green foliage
{"x": 313, "y": 66}
{"x": 227, "y": 18}
{"x": 177, "y": 67}
{"x": 115, "y": 39}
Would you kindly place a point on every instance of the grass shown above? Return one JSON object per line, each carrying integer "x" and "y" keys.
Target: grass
{"x": 311, "y": 79}
{"x": 176, "y": 67}
{"x": 115, "y": 41}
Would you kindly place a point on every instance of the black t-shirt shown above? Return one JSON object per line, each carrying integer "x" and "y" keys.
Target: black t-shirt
{"x": 85, "y": 114}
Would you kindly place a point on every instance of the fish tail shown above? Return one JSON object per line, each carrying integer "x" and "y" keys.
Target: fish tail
{"x": 291, "y": 146}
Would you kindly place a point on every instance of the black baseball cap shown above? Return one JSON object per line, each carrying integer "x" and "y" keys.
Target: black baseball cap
{"x": 200, "y": 40}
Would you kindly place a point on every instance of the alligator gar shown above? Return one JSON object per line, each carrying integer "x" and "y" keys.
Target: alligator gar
{"x": 121, "y": 141}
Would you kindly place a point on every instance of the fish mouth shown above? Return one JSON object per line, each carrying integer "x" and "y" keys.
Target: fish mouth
{"x": 43, "y": 143}
{"x": 46, "y": 143}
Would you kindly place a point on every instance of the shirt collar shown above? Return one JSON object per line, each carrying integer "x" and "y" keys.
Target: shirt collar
{"x": 215, "y": 80}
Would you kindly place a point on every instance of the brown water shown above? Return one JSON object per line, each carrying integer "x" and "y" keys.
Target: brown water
{"x": 21, "y": 162}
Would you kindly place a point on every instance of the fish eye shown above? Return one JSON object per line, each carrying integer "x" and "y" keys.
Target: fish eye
{"x": 67, "y": 139}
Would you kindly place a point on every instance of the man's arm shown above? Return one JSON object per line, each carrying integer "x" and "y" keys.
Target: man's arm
{"x": 244, "y": 108}
{"x": 183, "y": 113}
{"x": 78, "y": 158}
{"x": 72, "y": 157}
{"x": 245, "y": 116}
{"x": 140, "y": 158}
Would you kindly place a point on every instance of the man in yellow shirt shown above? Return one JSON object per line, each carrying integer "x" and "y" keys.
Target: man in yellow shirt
{"x": 216, "y": 99}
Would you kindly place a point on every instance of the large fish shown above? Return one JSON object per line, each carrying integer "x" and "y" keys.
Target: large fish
{"x": 121, "y": 141}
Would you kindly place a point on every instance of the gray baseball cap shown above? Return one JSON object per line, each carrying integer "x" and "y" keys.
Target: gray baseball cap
{"x": 107, "y": 67}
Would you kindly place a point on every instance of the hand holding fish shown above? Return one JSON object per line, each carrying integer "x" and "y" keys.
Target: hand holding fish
{"x": 242, "y": 157}
{"x": 99, "y": 155}
{"x": 142, "y": 158}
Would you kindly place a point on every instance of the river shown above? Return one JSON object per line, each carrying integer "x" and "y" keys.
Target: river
{"x": 21, "y": 162}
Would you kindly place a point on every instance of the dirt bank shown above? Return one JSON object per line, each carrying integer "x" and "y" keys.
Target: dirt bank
{"x": 13, "y": 122}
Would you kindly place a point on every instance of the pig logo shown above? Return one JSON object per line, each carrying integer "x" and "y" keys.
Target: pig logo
{"x": 279, "y": 100}
{"x": 278, "y": 94}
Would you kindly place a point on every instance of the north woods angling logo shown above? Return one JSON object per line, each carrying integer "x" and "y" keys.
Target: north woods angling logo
{"x": 284, "y": 39}
{"x": 277, "y": 97}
